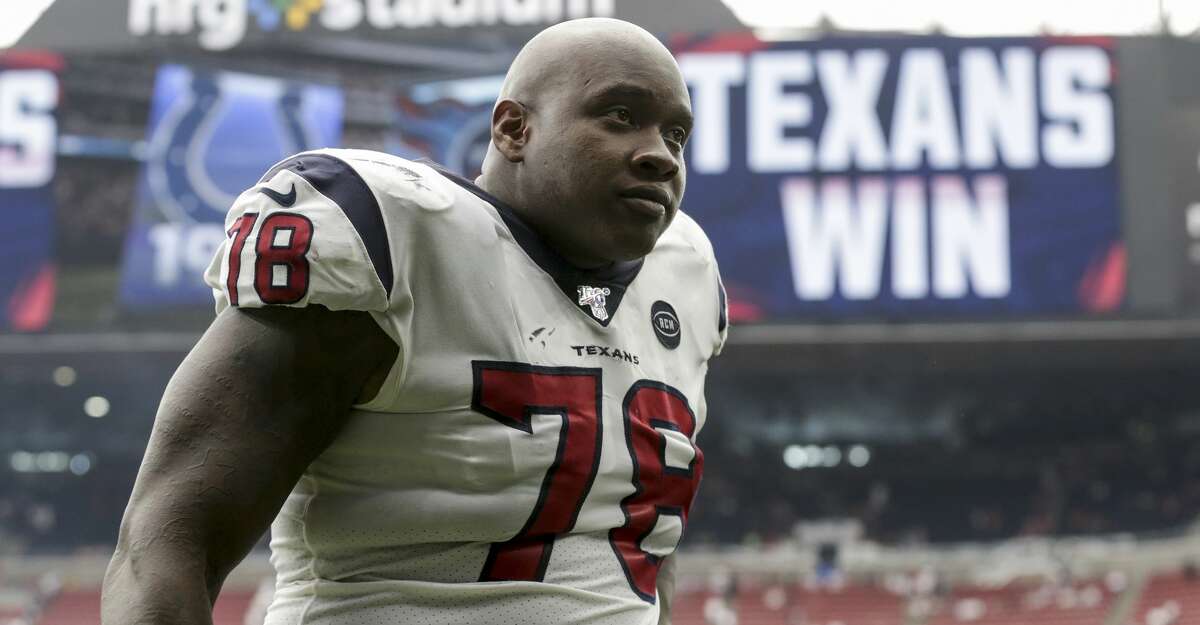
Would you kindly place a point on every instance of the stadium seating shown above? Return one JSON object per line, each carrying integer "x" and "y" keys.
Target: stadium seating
{"x": 1084, "y": 603}
{"x": 1169, "y": 599}
{"x": 14, "y": 603}
{"x": 10, "y": 614}
{"x": 72, "y": 608}
{"x": 83, "y": 608}
{"x": 793, "y": 604}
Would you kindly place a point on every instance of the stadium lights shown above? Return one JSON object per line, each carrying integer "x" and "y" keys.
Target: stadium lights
{"x": 64, "y": 376}
{"x": 954, "y": 17}
{"x": 50, "y": 462}
{"x": 80, "y": 464}
{"x": 799, "y": 457}
{"x": 859, "y": 456}
{"x": 96, "y": 406}
{"x": 795, "y": 457}
{"x": 21, "y": 462}
{"x": 802, "y": 457}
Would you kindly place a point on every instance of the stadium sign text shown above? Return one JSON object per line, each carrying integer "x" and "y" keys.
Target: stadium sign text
{"x": 896, "y": 165}
{"x": 28, "y": 130}
{"x": 222, "y": 24}
{"x": 29, "y": 99}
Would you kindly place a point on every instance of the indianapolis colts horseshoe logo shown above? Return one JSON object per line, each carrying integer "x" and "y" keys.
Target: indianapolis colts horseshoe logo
{"x": 666, "y": 324}
{"x": 180, "y": 163}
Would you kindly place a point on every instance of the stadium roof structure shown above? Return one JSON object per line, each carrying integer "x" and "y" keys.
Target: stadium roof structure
{"x": 431, "y": 34}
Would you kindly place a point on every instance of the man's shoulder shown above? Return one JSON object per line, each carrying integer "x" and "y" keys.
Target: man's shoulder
{"x": 340, "y": 228}
{"x": 396, "y": 183}
{"x": 686, "y": 237}
{"x": 355, "y": 158}
{"x": 687, "y": 267}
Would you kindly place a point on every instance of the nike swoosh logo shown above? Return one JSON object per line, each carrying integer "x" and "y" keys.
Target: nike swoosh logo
{"x": 280, "y": 198}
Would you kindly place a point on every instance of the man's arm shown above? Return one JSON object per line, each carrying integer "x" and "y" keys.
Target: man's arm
{"x": 666, "y": 589}
{"x": 261, "y": 394}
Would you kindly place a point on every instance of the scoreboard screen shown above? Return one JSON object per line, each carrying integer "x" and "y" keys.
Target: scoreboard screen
{"x": 908, "y": 178}
{"x": 29, "y": 95}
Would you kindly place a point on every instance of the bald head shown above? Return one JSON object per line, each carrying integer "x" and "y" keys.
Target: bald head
{"x": 560, "y": 57}
{"x": 587, "y": 139}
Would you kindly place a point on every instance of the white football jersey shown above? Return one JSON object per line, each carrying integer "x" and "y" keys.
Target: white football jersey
{"x": 531, "y": 457}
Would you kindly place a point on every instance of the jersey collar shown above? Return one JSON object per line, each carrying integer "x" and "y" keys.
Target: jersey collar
{"x": 596, "y": 292}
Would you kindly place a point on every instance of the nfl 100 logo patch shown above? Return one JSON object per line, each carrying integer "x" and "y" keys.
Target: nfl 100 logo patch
{"x": 595, "y": 298}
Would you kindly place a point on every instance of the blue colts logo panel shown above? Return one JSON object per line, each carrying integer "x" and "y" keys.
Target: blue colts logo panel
{"x": 211, "y": 136}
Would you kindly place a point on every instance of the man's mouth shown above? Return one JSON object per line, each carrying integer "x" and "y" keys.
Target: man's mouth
{"x": 646, "y": 200}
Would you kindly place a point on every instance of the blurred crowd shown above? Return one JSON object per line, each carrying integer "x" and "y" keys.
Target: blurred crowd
{"x": 1098, "y": 459}
{"x": 984, "y": 478}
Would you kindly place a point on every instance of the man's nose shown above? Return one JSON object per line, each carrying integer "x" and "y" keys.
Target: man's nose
{"x": 655, "y": 161}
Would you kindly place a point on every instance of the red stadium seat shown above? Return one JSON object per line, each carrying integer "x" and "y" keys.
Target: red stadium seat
{"x": 1170, "y": 596}
{"x": 1085, "y": 603}
{"x": 73, "y": 608}
{"x": 83, "y": 608}
{"x": 794, "y": 604}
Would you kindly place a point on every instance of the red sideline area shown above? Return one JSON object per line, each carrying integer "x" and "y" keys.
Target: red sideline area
{"x": 1084, "y": 603}
{"x": 792, "y": 604}
{"x": 83, "y": 608}
{"x": 1169, "y": 600}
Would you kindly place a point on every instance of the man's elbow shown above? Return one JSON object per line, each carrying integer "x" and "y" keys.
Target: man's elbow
{"x": 152, "y": 549}
{"x": 153, "y": 577}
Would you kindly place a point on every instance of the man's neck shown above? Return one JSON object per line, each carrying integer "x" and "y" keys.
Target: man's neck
{"x": 534, "y": 221}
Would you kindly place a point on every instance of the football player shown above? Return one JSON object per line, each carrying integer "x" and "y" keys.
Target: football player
{"x": 460, "y": 401}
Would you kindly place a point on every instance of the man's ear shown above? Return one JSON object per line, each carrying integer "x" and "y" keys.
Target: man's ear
{"x": 510, "y": 129}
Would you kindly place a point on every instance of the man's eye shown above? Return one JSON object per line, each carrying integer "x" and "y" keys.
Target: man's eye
{"x": 677, "y": 135}
{"x": 621, "y": 114}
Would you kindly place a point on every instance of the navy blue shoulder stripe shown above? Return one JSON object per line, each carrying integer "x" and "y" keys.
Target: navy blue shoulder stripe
{"x": 337, "y": 180}
{"x": 722, "y": 319}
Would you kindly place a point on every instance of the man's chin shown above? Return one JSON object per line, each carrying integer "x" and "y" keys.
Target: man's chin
{"x": 620, "y": 244}
{"x": 634, "y": 247}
